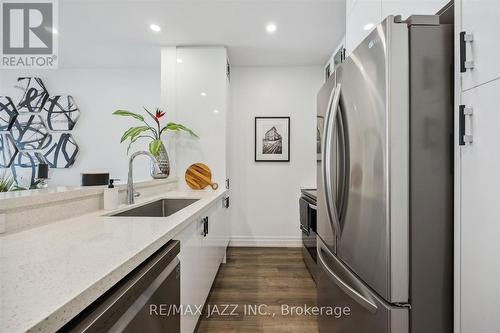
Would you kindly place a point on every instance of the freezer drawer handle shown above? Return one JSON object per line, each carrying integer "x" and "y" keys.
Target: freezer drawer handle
{"x": 354, "y": 294}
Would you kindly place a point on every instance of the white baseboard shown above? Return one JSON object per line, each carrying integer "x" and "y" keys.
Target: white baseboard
{"x": 267, "y": 241}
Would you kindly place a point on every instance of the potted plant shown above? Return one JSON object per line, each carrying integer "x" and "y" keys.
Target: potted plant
{"x": 8, "y": 184}
{"x": 154, "y": 133}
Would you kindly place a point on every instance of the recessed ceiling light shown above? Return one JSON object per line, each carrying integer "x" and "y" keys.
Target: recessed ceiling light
{"x": 216, "y": 111}
{"x": 155, "y": 27}
{"x": 369, "y": 26}
{"x": 179, "y": 60}
{"x": 203, "y": 94}
{"x": 271, "y": 28}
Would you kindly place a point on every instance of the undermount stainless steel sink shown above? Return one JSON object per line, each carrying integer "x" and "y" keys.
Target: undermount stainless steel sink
{"x": 159, "y": 208}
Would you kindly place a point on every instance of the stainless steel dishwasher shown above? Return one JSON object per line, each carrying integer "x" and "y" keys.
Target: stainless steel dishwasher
{"x": 143, "y": 301}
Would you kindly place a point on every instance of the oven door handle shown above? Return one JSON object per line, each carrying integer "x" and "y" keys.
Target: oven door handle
{"x": 305, "y": 230}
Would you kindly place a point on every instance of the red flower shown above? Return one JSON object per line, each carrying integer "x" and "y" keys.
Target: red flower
{"x": 159, "y": 113}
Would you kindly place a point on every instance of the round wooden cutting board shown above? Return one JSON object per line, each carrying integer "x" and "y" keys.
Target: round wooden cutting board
{"x": 198, "y": 176}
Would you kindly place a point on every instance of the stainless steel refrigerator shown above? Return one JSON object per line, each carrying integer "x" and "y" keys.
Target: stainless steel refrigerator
{"x": 385, "y": 182}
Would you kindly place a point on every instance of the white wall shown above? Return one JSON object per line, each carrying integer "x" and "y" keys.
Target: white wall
{"x": 98, "y": 92}
{"x": 264, "y": 195}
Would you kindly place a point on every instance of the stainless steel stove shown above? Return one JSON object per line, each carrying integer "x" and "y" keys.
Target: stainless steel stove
{"x": 307, "y": 205}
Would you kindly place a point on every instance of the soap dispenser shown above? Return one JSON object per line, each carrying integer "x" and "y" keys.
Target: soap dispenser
{"x": 111, "y": 196}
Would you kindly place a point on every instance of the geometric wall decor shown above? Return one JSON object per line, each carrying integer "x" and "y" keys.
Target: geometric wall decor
{"x": 60, "y": 113}
{"x": 8, "y": 113}
{"x": 29, "y": 131}
{"x": 60, "y": 150}
{"x": 8, "y": 150}
{"x": 25, "y": 166}
{"x": 28, "y": 159}
{"x": 36, "y": 130}
{"x": 34, "y": 94}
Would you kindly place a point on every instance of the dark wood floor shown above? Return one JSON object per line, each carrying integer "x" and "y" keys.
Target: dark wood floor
{"x": 253, "y": 276}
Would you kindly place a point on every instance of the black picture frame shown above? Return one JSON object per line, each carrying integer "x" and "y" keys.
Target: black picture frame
{"x": 287, "y": 144}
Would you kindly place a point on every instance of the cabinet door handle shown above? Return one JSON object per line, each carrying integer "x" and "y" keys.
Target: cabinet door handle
{"x": 464, "y": 64}
{"x": 205, "y": 226}
{"x": 204, "y": 223}
{"x": 465, "y": 136}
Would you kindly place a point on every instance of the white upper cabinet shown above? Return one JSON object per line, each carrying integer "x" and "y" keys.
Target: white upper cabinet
{"x": 363, "y": 17}
{"x": 407, "y": 8}
{"x": 348, "y": 5}
{"x": 195, "y": 89}
{"x": 482, "y": 19}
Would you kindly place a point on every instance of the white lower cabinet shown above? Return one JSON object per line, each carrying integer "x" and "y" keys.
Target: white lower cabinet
{"x": 480, "y": 215}
{"x": 200, "y": 256}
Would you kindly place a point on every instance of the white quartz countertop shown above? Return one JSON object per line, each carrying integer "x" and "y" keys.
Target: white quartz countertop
{"x": 50, "y": 273}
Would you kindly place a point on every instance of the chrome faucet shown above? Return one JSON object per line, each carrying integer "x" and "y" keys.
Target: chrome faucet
{"x": 131, "y": 193}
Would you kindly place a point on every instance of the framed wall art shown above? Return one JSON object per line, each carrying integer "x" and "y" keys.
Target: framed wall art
{"x": 272, "y": 139}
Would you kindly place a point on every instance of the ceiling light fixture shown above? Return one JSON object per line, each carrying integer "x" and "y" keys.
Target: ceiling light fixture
{"x": 155, "y": 27}
{"x": 216, "y": 111}
{"x": 271, "y": 28}
{"x": 179, "y": 60}
{"x": 368, "y": 26}
{"x": 203, "y": 94}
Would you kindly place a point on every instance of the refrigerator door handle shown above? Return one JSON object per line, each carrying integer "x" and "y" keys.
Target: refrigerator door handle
{"x": 351, "y": 292}
{"x": 343, "y": 190}
{"x": 331, "y": 115}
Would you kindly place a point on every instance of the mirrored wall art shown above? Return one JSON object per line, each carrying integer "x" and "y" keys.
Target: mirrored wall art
{"x": 34, "y": 94}
{"x": 8, "y": 113}
{"x": 60, "y": 113}
{"x": 8, "y": 150}
{"x": 60, "y": 150}
{"x": 29, "y": 132}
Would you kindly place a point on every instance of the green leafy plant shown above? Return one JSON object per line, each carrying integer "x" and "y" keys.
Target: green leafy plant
{"x": 8, "y": 184}
{"x": 149, "y": 132}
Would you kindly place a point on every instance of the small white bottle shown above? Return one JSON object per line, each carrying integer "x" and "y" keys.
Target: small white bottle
{"x": 111, "y": 196}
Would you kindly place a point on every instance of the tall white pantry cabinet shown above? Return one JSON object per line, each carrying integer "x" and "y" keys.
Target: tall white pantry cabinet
{"x": 477, "y": 172}
{"x": 195, "y": 92}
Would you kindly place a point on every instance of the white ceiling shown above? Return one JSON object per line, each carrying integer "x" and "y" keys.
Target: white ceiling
{"x": 116, "y": 33}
